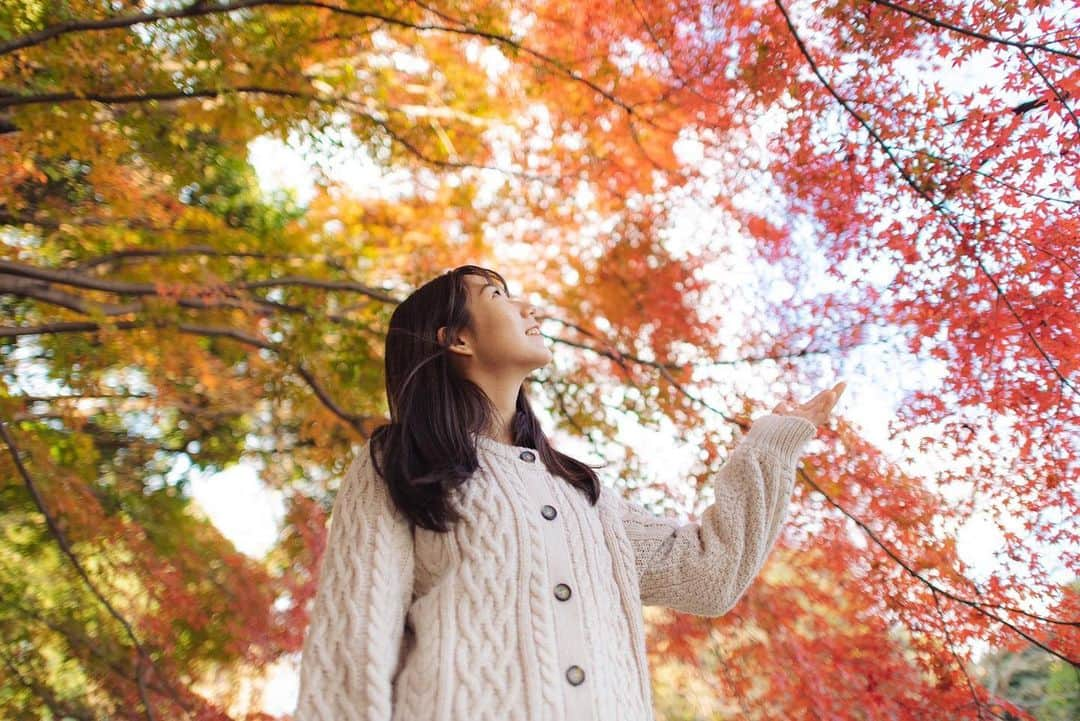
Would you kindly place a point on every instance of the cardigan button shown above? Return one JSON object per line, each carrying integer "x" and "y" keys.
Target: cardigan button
{"x": 527, "y": 456}
{"x": 575, "y": 675}
{"x": 562, "y": 591}
{"x": 548, "y": 512}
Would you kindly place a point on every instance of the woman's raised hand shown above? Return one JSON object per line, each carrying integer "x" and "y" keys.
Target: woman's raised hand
{"x": 817, "y": 409}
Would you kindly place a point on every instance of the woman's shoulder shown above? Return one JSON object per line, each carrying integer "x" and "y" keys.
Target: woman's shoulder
{"x": 362, "y": 462}
{"x": 363, "y": 482}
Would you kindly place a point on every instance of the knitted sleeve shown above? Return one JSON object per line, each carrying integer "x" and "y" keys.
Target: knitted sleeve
{"x": 353, "y": 642}
{"x": 704, "y": 567}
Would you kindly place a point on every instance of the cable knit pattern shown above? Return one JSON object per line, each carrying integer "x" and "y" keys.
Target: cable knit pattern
{"x": 704, "y": 567}
{"x": 358, "y": 615}
{"x": 412, "y": 625}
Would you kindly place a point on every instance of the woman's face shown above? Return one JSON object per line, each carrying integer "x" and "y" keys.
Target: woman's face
{"x": 500, "y": 337}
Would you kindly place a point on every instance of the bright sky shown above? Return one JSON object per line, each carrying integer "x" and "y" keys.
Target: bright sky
{"x": 877, "y": 375}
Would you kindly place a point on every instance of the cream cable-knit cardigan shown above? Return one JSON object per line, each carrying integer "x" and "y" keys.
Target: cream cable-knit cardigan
{"x": 530, "y": 609}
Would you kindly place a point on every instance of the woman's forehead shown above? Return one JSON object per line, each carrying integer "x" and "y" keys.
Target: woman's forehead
{"x": 479, "y": 282}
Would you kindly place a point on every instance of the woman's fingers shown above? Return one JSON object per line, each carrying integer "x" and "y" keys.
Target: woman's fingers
{"x": 826, "y": 399}
{"x": 817, "y": 409}
{"x": 839, "y": 390}
{"x": 829, "y": 401}
{"x": 835, "y": 393}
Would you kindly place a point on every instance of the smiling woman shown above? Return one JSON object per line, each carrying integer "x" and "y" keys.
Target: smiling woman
{"x": 473, "y": 571}
{"x": 457, "y": 351}
{"x": 495, "y": 349}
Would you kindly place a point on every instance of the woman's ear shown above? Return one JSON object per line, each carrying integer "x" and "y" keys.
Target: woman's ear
{"x": 460, "y": 345}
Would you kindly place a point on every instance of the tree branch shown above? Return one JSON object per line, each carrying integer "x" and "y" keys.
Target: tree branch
{"x": 144, "y": 661}
{"x": 358, "y": 109}
{"x": 1053, "y": 88}
{"x": 936, "y": 206}
{"x": 67, "y": 277}
{"x": 197, "y": 9}
{"x": 978, "y": 606}
{"x": 972, "y": 33}
{"x": 356, "y": 421}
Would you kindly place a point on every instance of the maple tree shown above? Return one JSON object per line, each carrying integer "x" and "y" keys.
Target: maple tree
{"x": 183, "y": 320}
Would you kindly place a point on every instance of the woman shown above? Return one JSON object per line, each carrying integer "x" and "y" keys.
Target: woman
{"x": 474, "y": 572}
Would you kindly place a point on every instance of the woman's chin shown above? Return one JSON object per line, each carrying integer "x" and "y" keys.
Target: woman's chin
{"x": 543, "y": 360}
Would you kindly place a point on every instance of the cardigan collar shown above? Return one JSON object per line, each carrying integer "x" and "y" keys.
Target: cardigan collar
{"x": 498, "y": 448}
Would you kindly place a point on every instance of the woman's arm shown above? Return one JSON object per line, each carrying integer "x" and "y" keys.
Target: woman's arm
{"x": 704, "y": 567}
{"x": 352, "y": 644}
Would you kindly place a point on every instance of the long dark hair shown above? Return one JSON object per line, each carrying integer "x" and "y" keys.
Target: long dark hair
{"x": 426, "y": 449}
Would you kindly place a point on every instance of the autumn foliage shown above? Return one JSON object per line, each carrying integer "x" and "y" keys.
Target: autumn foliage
{"x": 713, "y": 202}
